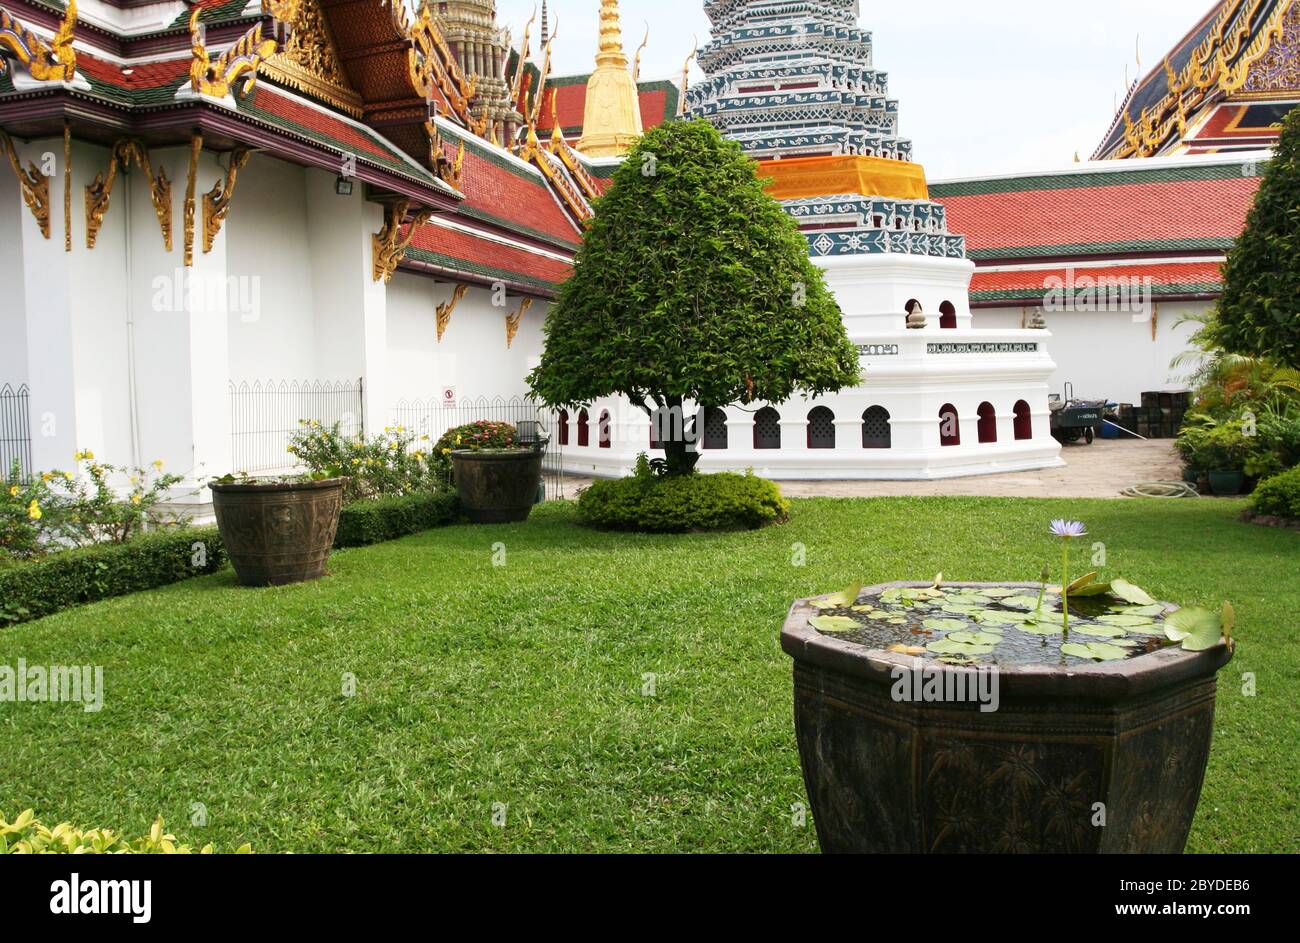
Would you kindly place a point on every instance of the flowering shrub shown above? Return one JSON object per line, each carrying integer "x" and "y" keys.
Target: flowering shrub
{"x": 27, "y": 836}
{"x": 474, "y": 436}
{"x": 22, "y": 509}
{"x": 86, "y": 509}
{"x": 386, "y": 465}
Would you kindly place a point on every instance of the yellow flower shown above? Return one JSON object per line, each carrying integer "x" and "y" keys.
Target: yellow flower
{"x": 135, "y": 499}
{"x": 68, "y": 475}
{"x": 34, "y": 511}
{"x": 158, "y": 464}
{"x": 13, "y": 492}
{"x": 46, "y": 477}
{"x": 135, "y": 479}
{"x": 90, "y": 456}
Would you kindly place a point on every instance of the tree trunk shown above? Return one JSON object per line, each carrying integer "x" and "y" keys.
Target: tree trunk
{"x": 679, "y": 452}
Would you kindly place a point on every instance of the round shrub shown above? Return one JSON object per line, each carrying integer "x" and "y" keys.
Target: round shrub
{"x": 1279, "y": 496}
{"x": 684, "y": 503}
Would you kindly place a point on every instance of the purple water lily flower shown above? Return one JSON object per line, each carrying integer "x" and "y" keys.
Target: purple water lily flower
{"x": 1068, "y": 529}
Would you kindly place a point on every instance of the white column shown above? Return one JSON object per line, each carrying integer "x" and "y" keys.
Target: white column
{"x": 178, "y": 326}
{"x": 351, "y": 338}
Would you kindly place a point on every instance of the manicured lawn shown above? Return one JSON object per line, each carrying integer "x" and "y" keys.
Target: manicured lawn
{"x": 522, "y": 684}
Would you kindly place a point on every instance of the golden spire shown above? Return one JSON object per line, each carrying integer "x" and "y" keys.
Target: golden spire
{"x": 612, "y": 116}
{"x": 611, "y": 36}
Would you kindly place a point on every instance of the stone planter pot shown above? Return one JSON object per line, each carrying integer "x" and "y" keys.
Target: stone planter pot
{"x": 1225, "y": 484}
{"x": 497, "y": 487}
{"x": 278, "y": 533}
{"x": 932, "y": 777}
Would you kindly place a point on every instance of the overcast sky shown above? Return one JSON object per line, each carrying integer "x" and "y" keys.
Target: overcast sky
{"x": 984, "y": 87}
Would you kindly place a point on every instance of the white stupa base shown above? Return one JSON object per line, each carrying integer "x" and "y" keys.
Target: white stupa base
{"x": 916, "y": 376}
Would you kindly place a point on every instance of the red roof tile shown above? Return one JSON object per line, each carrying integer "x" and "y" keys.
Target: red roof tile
{"x": 1031, "y": 286}
{"x": 499, "y": 191}
{"x": 1197, "y": 207}
{"x": 460, "y": 251}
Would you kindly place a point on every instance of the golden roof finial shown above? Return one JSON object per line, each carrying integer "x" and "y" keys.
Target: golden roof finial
{"x": 612, "y": 114}
{"x": 611, "y": 36}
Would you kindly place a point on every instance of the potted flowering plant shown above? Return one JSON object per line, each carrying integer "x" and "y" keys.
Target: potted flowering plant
{"x": 278, "y": 530}
{"x": 496, "y": 477}
{"x": 1004, "y": 717}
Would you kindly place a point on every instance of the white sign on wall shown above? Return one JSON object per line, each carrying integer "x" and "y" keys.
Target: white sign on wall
{"x": 448, "y": 397}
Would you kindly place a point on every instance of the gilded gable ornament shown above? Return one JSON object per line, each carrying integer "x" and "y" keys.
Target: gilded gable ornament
{"x": 309, "y": 61}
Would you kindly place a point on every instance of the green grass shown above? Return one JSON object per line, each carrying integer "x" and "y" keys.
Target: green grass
{"x": 478, "y": 684}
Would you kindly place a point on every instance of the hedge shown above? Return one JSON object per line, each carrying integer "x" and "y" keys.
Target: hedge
{"x": 683, "y": 503}
{"x": 38, "y": 588}
{"x": 1279, "y": 496}
{"x": 72, "y": 577}
{"x": 372, "y": 522}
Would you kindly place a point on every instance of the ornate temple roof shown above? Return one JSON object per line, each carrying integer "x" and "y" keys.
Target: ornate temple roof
{"x": 1224, "y": 86}
{"x": 313, "y": 82}
{"x": 1170, "y": 219}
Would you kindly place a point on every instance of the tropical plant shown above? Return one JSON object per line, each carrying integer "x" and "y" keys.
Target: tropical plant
{"x": 692, "y": 286}
{"x": 1259, "y": 311}
{"x": 391, "y": 464}
{"x": 24, "y": 502}
{"x": 88, "y": 508}
{"x": 27, "y": 836}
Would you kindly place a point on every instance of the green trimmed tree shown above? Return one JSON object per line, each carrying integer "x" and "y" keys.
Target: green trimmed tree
{"x": 1259, "y": 313}
{"x": 692, "y": 285}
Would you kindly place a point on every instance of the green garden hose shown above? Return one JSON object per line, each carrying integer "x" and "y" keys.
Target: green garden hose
{"x": 1161, "y": 489}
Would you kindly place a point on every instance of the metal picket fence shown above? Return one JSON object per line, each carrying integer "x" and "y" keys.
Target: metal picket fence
{"x": 433, "y": 417}
{"x": 15, "y": 431}
{"x": 265, "y": 416}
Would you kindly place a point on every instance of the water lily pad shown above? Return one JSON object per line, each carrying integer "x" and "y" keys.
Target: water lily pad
{"x": 1021, "y": 602}
{"x": 1156, "y": 610}
{"x": 944, "y": 625}
{"x": 1097, "y": 651}
{"x": 992, "y": 617}
{"x": 1197, "y": 629}
{"x": 1041, "y": 628}
{"x": 949, "y": 647}
{"x": 1130, "y": 593}
{"x": 999, "y": 592}
{"x": 906, "y": 650}
{"x": 1126, "y": 620}
{"x": 975, "y": 638}
{"x": 962, "y": 610}
{"x": 833, "y": 624}
{"x": 1098, "y": 631}
{"x": 840, "y": 600}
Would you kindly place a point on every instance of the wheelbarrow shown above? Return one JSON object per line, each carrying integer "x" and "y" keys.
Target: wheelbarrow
{"x": 1074, "y": 419}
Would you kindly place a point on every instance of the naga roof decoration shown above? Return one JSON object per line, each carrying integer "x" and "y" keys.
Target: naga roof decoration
{"x": 53, "y": 61}
{"x": 236, "y": 68}
{"x": 1242, "y": 49}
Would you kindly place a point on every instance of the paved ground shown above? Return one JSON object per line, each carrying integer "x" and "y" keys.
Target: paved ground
{"x": 1100, "y": 470}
